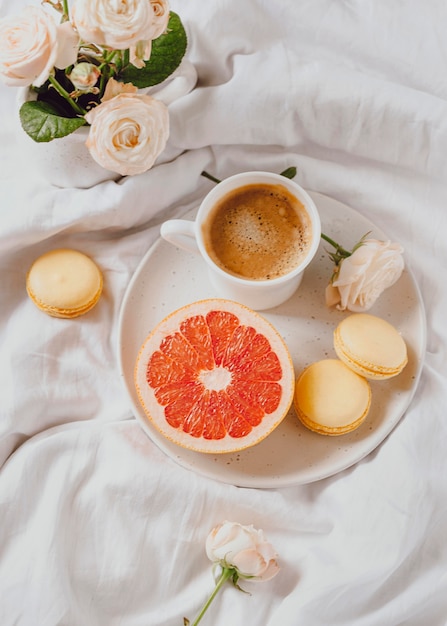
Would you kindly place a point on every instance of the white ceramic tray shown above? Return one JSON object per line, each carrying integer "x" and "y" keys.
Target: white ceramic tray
{"x": 169, "y": 278}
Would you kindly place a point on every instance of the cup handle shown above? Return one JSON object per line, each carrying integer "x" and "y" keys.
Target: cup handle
{"x": 180, "y": 233}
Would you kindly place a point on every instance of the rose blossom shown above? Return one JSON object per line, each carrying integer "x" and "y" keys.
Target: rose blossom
{"x": 244, "y": 548}
{"x": 142, "y": 50}
{"x": 365, "y": 274}
{"x": 128, "y": 132}
{"x": 67, "y": 45}
{"x": 161, "y": 17}
{"x": 115, "y": 87}
{"x": 117, "y": 25}
{"x": 84, "y": 76}
{"x": 140, "y": 53}
{"x": 31, "y": 44}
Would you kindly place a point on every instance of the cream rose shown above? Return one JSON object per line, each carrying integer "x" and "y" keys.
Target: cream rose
{"x": 161, "y": 17}
{"x": 243, "y": 547}
{"x": 115, "y": 24}
{"x": 115, "y": 87}
{"x": 362, "y": 277}
{"x": 128, "y": 132}
{"x": 141, "y": 52}
{"x": 67, "y": 45}
{"x": 31, "y": 44}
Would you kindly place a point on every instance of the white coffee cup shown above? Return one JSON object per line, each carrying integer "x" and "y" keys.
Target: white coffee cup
{"x": 254, "y": 293}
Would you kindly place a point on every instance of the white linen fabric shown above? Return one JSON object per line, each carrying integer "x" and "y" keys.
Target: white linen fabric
{"x": 98, "y": 526}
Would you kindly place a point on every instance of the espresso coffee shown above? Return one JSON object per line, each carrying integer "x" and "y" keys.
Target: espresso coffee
{"x": 258, "y": 232}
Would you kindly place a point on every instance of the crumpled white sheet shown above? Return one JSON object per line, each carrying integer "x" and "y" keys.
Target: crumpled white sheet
{"x": 98, "y": 526}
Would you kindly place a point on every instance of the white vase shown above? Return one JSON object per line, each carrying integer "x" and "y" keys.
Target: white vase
{"x": 66, "y": 161}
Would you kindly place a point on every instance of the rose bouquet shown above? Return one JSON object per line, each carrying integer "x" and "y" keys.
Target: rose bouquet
{"x": 90, "y": 68}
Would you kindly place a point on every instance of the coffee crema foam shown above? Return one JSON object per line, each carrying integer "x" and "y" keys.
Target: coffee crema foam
{"x": 259, "y": 232}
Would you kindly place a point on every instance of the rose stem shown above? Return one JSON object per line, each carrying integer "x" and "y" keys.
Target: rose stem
{"x": 227, "y": 572}
{"x": 339, "y": 249}
{"x": 65, "y": 15}
{"x": 66, "y": 95}
{"x": 215, "y": 180}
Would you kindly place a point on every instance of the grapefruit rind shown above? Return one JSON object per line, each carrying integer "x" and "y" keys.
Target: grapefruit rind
{"x": 155, "y": 412}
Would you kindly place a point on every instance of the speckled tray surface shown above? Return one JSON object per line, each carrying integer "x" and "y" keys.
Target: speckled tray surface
{"x": 169, "y": 278}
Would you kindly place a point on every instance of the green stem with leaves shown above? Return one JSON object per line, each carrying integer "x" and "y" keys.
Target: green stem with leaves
{"x": 108, "y": 69}
{"x": 109, "y": 58}
{"x": 61, "y": 91}
{"x": 339, "y": 250}
{"x": 125, "y": 55}
{"x": 227, "y": 573}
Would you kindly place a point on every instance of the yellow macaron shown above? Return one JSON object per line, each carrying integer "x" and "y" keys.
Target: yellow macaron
{"x": 330, "y": 398}
{"x": 64, "y": 283}
{"x": 370, "y": 346}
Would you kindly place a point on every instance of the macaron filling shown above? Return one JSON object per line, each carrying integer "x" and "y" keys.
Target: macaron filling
{"x": 370, "y": 346}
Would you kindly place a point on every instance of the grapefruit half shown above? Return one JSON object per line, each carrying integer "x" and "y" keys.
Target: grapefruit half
{"x": 214, "y": 376}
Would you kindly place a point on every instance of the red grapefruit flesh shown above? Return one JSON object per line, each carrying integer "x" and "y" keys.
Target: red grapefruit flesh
{"x": 214, "y": 376}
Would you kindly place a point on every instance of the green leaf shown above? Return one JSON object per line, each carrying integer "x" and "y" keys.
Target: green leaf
{"x": 290, "y": 172}
{"x": 167, "y": 53}
{"x": 42, "y": 122}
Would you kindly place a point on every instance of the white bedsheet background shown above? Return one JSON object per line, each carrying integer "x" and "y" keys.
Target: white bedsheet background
{"x": 97, "y": 526}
